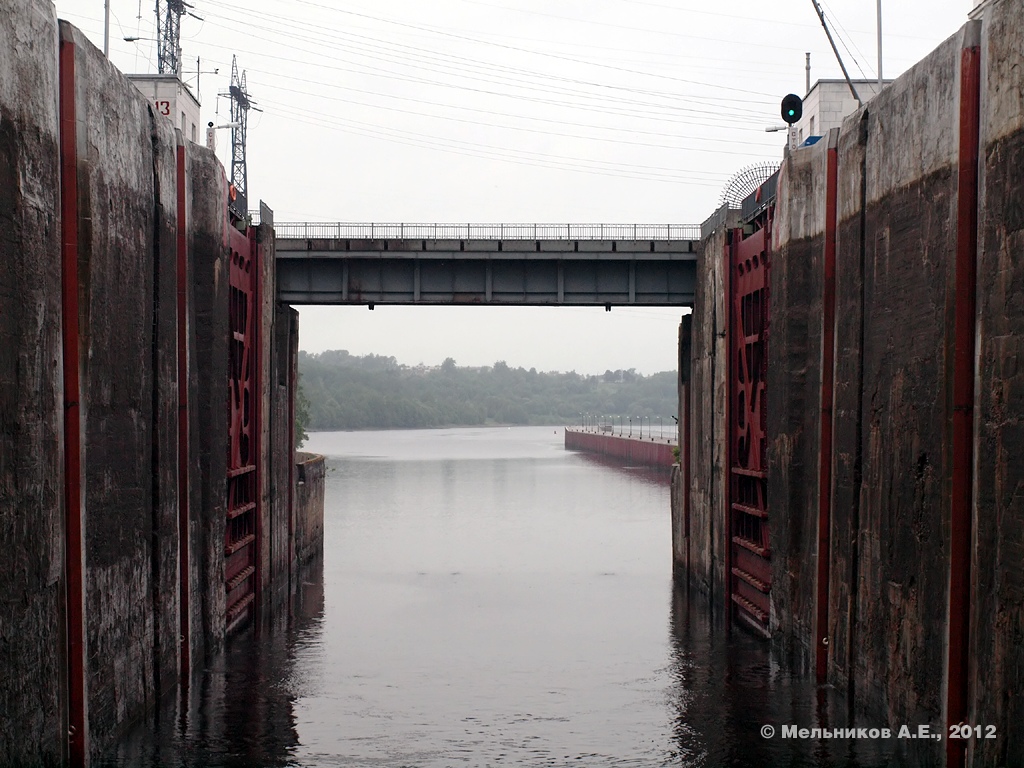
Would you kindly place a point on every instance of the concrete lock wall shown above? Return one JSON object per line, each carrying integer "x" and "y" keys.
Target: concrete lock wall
{"x": 903, "y": 222}
{"x": 126, "y": 268}
{"x": 706, "y": 545}
{"x": 113, "y": 502}
{"x": 208, "y": 396}
{"x": 896, "y": 242}
{"x": 793, "y": 386}
{"x": 996, "y": 646}
{"x": 31, "y": 397}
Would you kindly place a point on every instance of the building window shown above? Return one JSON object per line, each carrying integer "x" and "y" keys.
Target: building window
{"x": 811, "y": 129}
{"x": 193, "y": 133}
{"x": 183, "y": 122}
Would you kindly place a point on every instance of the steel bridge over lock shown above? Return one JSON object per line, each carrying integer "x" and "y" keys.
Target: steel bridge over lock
{"x": 577, "y": 265}
{"x": 500, "y": 264}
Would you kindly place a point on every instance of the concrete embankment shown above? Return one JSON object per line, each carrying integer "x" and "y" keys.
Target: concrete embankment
{"x": 654, "y": 452}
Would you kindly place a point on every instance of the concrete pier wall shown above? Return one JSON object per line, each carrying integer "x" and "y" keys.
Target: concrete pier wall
{"x": 656, "y": 452}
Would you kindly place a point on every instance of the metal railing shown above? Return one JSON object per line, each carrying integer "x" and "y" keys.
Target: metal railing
{"x": 654, "y": 428}
{"x": 401, "y": 231}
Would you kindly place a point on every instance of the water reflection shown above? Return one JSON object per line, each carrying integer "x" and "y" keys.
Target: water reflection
{"x": 239, "y": 710}
{"x": 489, "y": 599}
{"x": 727, "y": 686}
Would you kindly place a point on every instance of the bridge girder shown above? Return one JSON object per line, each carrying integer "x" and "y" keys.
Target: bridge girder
{"x": 468, "y": 272}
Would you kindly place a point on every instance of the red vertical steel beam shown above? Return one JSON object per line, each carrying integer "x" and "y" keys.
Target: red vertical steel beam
{"x": 963, "y": 391}
{"x": 828, "y": 324}
{"x": 74, "y": 513}
{"x": 183, "y": 433}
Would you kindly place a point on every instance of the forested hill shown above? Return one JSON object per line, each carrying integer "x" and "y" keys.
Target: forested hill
{"x": 343, "y": 391}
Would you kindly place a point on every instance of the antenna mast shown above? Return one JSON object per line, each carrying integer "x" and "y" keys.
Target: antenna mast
{"x": 168, "y": 36}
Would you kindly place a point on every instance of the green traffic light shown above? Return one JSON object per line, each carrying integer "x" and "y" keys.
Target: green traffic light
{"x": 792, "y": 108}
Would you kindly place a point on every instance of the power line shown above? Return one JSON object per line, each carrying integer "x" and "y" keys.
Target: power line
{"x": 547, "y": 54}
{"x": 761, "y": 145}
{"x": 447, "y": 56}
{"x": 632, "y": 113}
{"x": 470, "y": 150}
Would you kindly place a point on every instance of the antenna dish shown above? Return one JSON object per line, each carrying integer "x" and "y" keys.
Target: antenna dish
{"x": 744, "y": 182}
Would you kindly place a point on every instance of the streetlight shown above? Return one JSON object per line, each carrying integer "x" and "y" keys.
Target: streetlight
{"x": 630, "y": 426}
{"x": 661, "y": 432}
{"x": 641, "y": 420}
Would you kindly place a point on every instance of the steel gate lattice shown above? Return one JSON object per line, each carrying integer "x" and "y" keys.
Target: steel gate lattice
{"x": 748, "y": 550}
{"x": 241, "y": 534}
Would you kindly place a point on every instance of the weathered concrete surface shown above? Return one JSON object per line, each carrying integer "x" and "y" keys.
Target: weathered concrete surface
{"x": 793, "y": 398}
{"x": 707, "y": 410}
{"x": 898, "y": 638}
{"x": 680, "y": 490}
{"x": 208, "y": 266}
{"x": 126, "y": 231}
{"x": 282, "y": 470}
{"x": 847, "y": 457}
{"x": 655, "y": 453}
{"x": 888, "y": 610}
{"x": 32, "y": 721}
{"x": 310, "y": 478}
{"x": 272, "y": 469}
{"x": 997, "y": 625}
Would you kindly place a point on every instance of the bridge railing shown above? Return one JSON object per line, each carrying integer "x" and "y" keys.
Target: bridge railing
{"x": 401, "y": 231}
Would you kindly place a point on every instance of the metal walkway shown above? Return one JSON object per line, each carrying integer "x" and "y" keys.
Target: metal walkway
{"x": 501, "y": 264}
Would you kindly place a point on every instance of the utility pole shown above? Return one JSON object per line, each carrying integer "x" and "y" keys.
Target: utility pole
{"x": 879, "y": 44}
{"x": 849, "y": 82}
{"x": 106, "y": 28}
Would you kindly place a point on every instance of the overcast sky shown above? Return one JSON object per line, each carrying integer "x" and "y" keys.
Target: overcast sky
{"x": 582, "y": 111}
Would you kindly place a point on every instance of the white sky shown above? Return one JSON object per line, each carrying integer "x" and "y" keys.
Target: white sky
{"x": 614, "y": 111}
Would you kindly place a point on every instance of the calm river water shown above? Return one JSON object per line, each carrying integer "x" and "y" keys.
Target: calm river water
{"x": 488, "y": 598}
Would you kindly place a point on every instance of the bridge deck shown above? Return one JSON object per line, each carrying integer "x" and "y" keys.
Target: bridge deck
{"x": 523, "y": 271}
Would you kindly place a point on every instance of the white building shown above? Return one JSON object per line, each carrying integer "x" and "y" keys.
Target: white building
{"x": 828, "y": 102}
{"x": 172, "y": 99}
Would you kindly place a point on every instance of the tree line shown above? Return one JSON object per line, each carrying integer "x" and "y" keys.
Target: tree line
{"x": 343, "y": 391}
